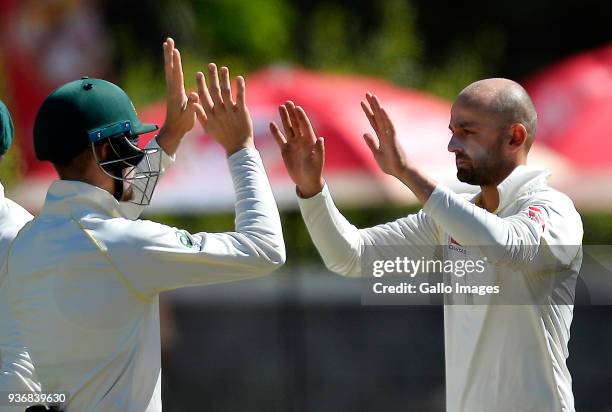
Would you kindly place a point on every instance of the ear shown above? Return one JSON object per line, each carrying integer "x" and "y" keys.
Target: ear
{"x": 518, "y": 136}
{"x": 102, "y": 150}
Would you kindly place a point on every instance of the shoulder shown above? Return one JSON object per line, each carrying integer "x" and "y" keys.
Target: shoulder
{"x": 563, "y": 222}
{"x": 12, "y": 218}
{"x": 555, "y": 201}
{"x": 126, "y": 229}
{"x": 15, "y": 213}
{"x": 129, "y": 235}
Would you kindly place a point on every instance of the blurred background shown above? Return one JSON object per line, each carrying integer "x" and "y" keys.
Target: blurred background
{"x": 300, "y": 340}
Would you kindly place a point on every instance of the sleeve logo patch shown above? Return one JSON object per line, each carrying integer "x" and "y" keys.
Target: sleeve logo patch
{"x": 536, "y": 214}
{"x": 185, "y": 238}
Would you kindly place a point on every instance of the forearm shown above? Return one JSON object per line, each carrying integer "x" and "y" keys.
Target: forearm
{"x": 472, "y": 225}
{"x": 257, "y": 217}
{"x": 421, "y": 185}
{"x": 338, "y": 242}
{"x": 460, "y": 218}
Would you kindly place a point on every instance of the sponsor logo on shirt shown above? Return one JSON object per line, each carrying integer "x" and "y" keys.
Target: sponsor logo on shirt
{"x": 537, "y": 215}
{"x": 454, "y": 245}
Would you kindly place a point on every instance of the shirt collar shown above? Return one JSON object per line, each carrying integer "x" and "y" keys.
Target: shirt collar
{"x": 79, "y": 198}
{"x": 1, "y": 191}
{"x": 520, "y": 181}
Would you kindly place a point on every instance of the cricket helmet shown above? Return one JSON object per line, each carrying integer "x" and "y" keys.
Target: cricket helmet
{"x": 87, "y": 112}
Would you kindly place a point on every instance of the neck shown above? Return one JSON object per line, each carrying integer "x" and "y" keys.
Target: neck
{"x": 489, "y": 195}
{"x": 91, "y": 175}
{"x": 489, "y": 198}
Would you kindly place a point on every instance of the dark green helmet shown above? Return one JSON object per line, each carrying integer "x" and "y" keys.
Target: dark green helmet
{"x": 6, "y": 129}
{"x": 80, "y": 113}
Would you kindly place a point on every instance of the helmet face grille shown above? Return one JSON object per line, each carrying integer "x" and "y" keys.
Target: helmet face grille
{"x": 138, "y": 169}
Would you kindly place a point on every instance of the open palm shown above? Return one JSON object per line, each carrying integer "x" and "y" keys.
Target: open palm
{"x": 303, "y": 153}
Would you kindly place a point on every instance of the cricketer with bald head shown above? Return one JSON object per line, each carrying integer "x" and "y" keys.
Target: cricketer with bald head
{"x": 499, "y": 357}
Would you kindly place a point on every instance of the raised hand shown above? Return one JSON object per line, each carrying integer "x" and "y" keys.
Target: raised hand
{"x": 227, "y": 122}
{"x": 385, "y": 147}
{"x": 180, "y": 108}
{"x": 388, "y": 151}
{"x": 303, "y": 153}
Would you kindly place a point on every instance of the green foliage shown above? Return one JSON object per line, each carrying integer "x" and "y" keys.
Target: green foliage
{"x": 242, "y": 35}
{"x": 339, "y": 40}
{"x": 378, "y": 39}
{"x": 466, "y": 65}
{"x": 597, "y": 228}
{"x": 257, "y": 31}
{"x": 144, "y": 83}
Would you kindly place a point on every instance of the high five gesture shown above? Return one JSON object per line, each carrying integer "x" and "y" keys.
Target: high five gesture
{"x": 180, "y": 107}
{"x": 384, "y": 146}
{"x": 226, "y": 121}
{"x": 303, "y": 153}
{"x": 388, "y": 151}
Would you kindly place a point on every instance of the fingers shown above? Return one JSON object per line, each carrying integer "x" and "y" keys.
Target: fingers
{"x": 177, "y": 85}
{"x": 378, "y": 117}
{"x": 200, "y": 113}
{"x": 214, "y": 88}
{"x": 373, "y": 99}
{"x": 240, "y": 95}
{"x": 192, "y": 99}
{"x": 372, "y": 142}
{"x": 367, "y": 111}
{"x": 388, "y": 124}
{"x": 278, "y": 135}
{"x": 284, "y": 115}
{"x": 290, "y": 107}
{"x": 173, "y": 69}
{"x": 226, "y": 88}
{"x": 369, "y": 115}
{"x": 375, "y": 109}
{"x": 205, "y": 99}
{"x": 296, "y": 122}
{"x": 218, "y": 91}
{"x": 168, "y": 47}
{"x": 304, "y": 125}
{"x": 320, "y": 146}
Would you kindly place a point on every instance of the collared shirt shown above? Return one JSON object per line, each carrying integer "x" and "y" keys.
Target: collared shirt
{"x": 17, "y": 371}
{"x": 498, "y": 357}
{"x": 83, "y": 284}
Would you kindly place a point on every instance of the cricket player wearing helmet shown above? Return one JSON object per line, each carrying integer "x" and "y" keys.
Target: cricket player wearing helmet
{"x": 17, "y": 372}
{"x": 83, "y": 281}
{"x": 498, "y": 357}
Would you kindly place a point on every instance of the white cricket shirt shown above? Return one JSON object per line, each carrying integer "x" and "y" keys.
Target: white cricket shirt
{"x": 16, "y": 371}
{"x": 498, "y": 357}
{"x": 82, "y": 284}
